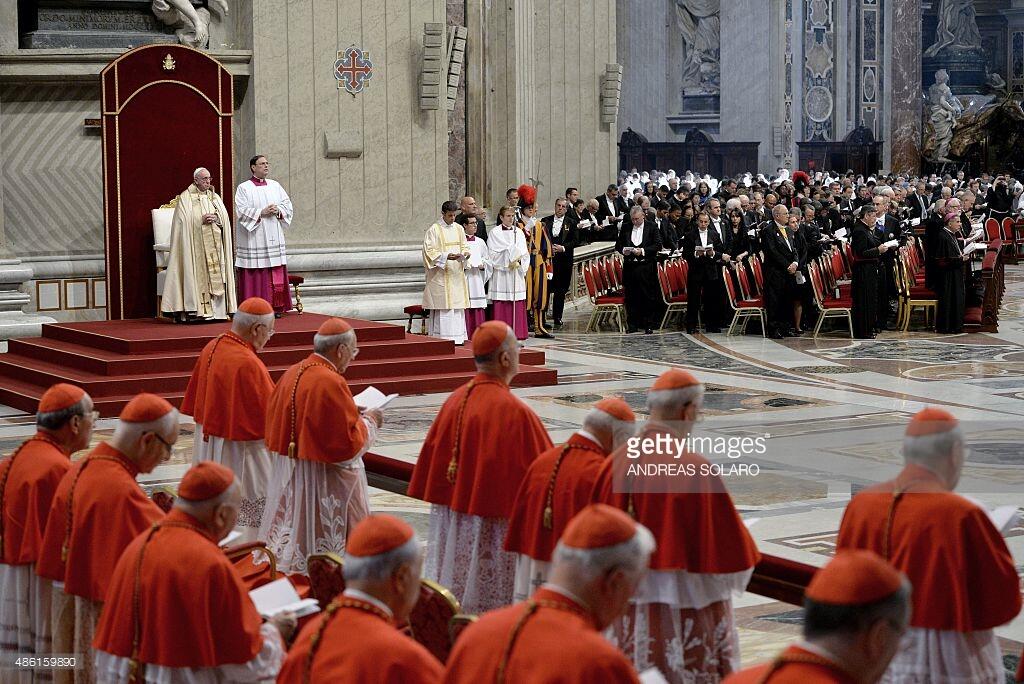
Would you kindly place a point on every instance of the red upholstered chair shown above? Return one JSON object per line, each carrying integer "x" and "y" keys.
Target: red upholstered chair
{"x": 458, "y": 625}
{"x": 253, "y": 575}
{"x": 829, "y": 307}
{"x": 416, "y": 311}
{"x": 743, "y": 309}
{"x": 993, "y": 231}
{"x": 604, "y": 305}
{"x": 325, "y": 578}
{"x": 912, "y": 294}
{"x": 295, "y": 281}
{"x": 163, "y": 497}
{"x": 430, "y": 618}
{"x": 755, "y": 268}
{"x": 675, "y": 303}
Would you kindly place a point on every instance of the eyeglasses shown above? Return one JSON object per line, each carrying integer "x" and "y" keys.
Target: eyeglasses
{"x": 354, "y": 351}
{"x": 167, "y": 445}
{"x": 93, "y": 416}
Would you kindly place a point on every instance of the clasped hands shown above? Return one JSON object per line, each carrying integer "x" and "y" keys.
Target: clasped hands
{"x": 792, "y": 268}
{"x": 210, "y": 218}
{"x": 270, "y": 210}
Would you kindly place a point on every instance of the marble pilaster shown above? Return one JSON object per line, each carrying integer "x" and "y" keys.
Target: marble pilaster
{"x": 746, "y": 111}
{"x": 456, "y": 10}
{"x": 905, "y": 130}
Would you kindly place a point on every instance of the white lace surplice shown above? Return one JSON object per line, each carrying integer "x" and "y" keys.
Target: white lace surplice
{"x": 24, "y": 619}
{"x": 682, "y": 623}
{"x": 465, "y": 554}
{"x": 251, "y": 463}
{"x": 62, "y": 627}
{"x": 111, "y": 669}
{"x": 312, "y": 506}
{"x": 932, "y": 656}
{"x": 87, "y": 617}
{"x": 530, "y": 576}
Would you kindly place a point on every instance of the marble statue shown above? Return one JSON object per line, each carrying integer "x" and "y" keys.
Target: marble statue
{"x": 944, "y": 110}
{"x": 699, "y": 23}
{"x": 193, "y": 26}
{"x": 957, "y": 27}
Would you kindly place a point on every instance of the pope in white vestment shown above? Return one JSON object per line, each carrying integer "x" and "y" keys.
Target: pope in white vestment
{"x": 200, "y": 277}
{"x": 446, "y": 295}
{"x": 263, "y": 210}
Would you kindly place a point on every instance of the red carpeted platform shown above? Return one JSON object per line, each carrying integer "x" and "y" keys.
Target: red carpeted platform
{"x": 114, "y": 360}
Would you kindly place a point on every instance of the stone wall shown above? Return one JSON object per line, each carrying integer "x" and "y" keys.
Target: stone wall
{"x": 534, "y": 98}
{"x": 392, "y": 191}
{"x": 650, "y": 79}
{"x": 573, "y": 147}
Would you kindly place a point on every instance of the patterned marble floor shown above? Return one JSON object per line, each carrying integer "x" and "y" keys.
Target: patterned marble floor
{"x": 833, "y": 412}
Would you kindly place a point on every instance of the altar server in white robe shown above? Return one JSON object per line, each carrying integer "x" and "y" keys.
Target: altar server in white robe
{"x": 510, "y": 261}
{"x": 446, "y": 295}
{"x": 262, "y": 212}
{"x": 200, "y": 281}
{"x": 478, "y": 272}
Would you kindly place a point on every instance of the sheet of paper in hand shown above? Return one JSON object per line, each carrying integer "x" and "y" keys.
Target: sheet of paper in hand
{"x": 373, "y": 398}
{"x": 279, "y": 596}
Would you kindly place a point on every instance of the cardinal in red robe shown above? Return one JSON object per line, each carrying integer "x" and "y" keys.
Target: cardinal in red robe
{"x": 557, "y": 486}
{"x": 28, "y": 483}
{"x": 473, "y": 459}
{"x": 317, "y": 437}
{"x": 355, "y": 639}
{"x": 964, "y": 579}
{"x": 856, "y": 609}
{"x": 227, "y": 397}
{"x": 97, "y": 511}
{"x": 176, "y": 610}
{"x": 555, "y": 635}
{"x": 681, "y": 619}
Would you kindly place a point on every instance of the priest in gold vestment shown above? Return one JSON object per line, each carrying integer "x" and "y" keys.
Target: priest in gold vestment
{"x": 200, "y": 272}
{"x": 446, "y": 295}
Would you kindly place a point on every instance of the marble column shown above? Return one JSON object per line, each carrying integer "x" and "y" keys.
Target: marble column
{"x": 905, "y": 83}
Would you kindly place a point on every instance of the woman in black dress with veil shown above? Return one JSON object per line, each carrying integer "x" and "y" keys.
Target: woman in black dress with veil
{"x": 867, "y": 246}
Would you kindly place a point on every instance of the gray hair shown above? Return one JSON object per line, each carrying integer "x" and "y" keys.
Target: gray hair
{"x": 636, "y": 209}
{"x": 780, "y": 209}
{"x": 590, "y": 564}
{"x": 673, "y": 400}
{"x": 599, "y": 421}
{"x": 195, "y": 174}
{"x": 383, "y": 565}
{"x": 129, "y": 433}
{"x": 244, "y": 320}
{"x": 55, "y": 420}
{"x": 932, "y": 450}
{"x": 324, "y": 343}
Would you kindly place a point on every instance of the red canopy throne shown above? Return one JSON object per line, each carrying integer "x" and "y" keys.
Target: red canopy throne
{"x": 166, "y": 111}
